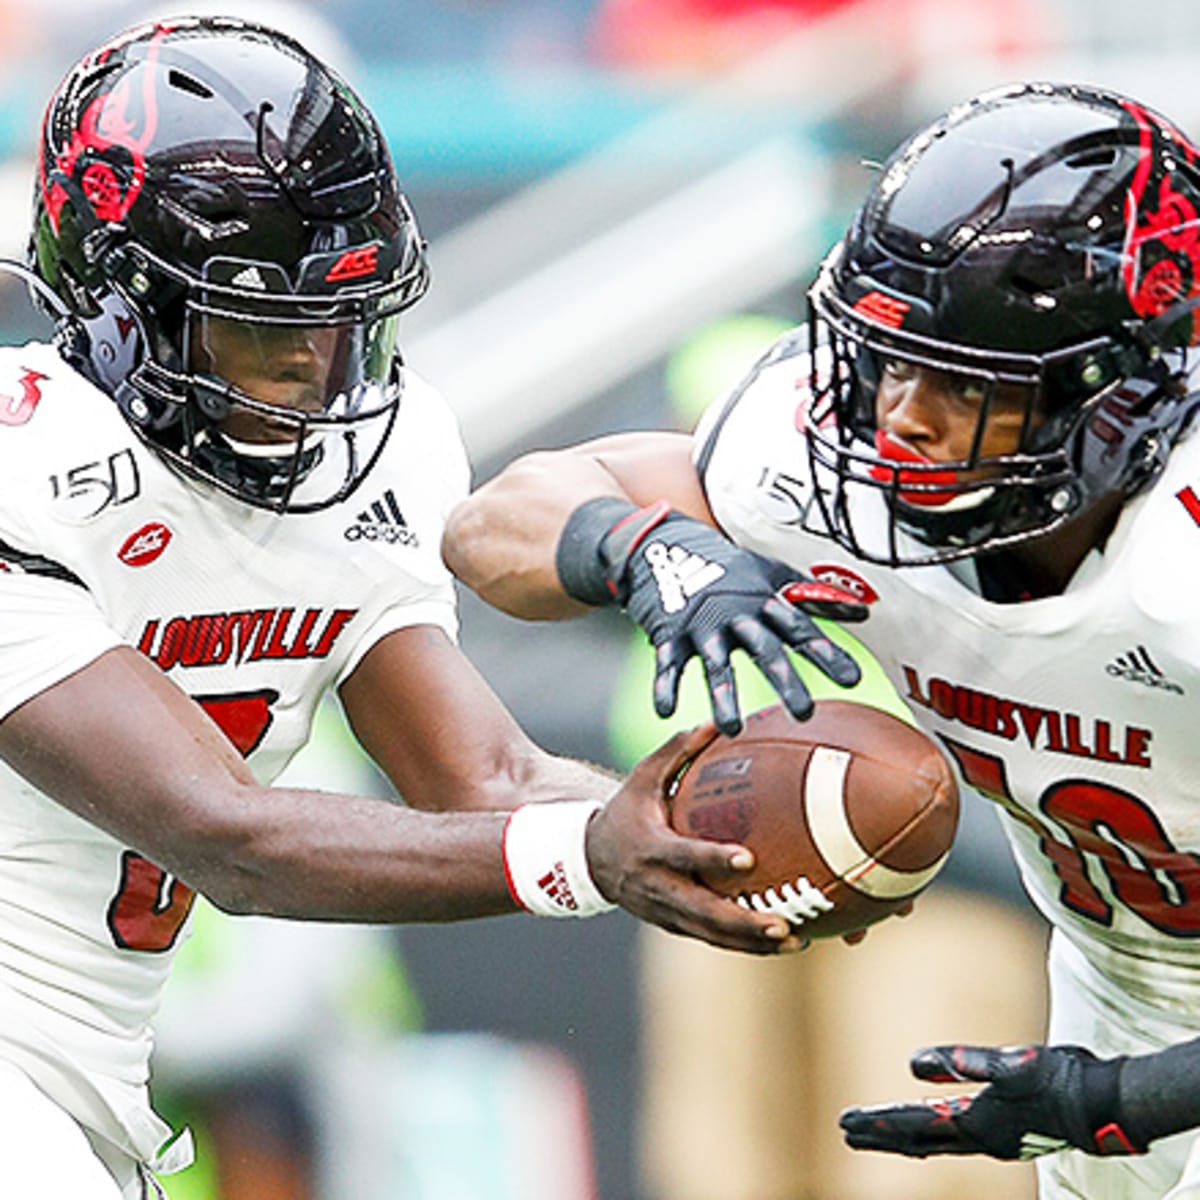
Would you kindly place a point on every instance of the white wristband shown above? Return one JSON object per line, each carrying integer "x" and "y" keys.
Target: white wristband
{"x": 545, "y": 861}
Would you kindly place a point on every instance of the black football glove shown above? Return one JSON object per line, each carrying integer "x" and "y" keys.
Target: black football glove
{"x": 696, "y": 593}
{"x": 1039, "y": 1099}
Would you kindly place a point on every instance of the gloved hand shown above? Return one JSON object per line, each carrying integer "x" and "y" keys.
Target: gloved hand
{"x": 1039, "y": 1099}
{"x": 696, "y": 593}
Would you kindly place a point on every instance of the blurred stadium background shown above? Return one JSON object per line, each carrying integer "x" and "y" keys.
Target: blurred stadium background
{"x": 600, "y": 181}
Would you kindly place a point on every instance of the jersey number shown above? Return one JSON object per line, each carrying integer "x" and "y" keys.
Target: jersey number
{"x": 151, "y": 906}
{"x": 1145, "y": 871}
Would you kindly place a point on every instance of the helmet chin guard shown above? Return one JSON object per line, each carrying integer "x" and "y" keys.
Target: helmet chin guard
{"x": 1041, "y": 240}
{"x": 218, "y": 214}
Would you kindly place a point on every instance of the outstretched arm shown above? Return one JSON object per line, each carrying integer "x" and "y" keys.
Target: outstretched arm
{"x": 623, "y": 520}
{"x": 118, "y": 743}
{"x": 1038, "y": 1099}
{"x": 502, "y": 541}
{"x": 122, "y": 746}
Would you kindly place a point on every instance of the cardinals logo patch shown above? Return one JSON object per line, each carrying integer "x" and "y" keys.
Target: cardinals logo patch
{"x": 18, "y": 409}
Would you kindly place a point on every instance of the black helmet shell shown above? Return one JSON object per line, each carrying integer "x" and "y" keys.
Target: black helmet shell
{"x": 1042, "y": 234}
{"x": 213, "y": 166}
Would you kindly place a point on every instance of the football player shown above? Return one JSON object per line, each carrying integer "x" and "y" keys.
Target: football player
{"x": 981, "y": 435}
{"x": 223, "y": 494}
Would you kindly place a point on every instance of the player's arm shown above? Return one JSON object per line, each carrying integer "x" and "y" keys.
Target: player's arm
{"x": 435, "y": 727}
{"x": 122, "y": 746}
{"x": 432, "y": 723}
{"x": 118, "y": 743}
{"x": 623, "y": 520}
{"x": 502, "y": 541}
{"x": 1038, "y": 1099}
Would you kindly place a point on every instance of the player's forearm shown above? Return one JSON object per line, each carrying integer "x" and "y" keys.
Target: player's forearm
{"x": 322, "y": 856}
{"x": 515, "y": 779}
{"x": 557, "y": 778}
{"x": 302, "y": 853}
{"x": 502, "y": 540}
{"x": 1160, "y": 1093}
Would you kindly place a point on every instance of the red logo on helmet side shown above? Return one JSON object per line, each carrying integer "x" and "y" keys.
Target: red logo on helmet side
{"x": 844, "y": 580}
{"x": 1161, "y": 263}
{"x": 106, "y": 154}
{"x": 354, "y": 264}
{"x": 1190, "y": 501}
{"x": 884, "y": 310}
{"x": 145, "y": 545}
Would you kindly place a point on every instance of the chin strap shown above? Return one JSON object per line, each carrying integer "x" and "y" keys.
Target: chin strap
{"x": 1153, "y": 332}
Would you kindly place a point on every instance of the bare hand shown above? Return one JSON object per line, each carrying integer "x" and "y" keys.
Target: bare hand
{"x": 640, "y": 863}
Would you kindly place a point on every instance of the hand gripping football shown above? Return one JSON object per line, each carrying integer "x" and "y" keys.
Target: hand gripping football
{"x": 850, "y": 814}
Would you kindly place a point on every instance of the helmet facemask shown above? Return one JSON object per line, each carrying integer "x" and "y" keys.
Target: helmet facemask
{"x": 284, "y": 401}
{"x": 276, "y": 401}
{"x": 952, "y": 509}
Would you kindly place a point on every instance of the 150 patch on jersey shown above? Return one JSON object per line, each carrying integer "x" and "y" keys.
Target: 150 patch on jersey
{"x": 81, "y": 493}
{"x": 783, "y": 498}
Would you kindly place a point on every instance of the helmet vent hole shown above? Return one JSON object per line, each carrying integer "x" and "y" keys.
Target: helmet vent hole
{"x": 1101, "y": 156}
{"x": 189, "y": 83}
{"x": 1031, "y": 287}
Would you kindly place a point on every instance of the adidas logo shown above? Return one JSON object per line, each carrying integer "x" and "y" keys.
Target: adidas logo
{"x": 1138, "y": 667}
{"x": 250, "y": 277}
{"x": 679, "y": 573}
{"x": 557, "y": 889}
{"x": 382, "y": 522}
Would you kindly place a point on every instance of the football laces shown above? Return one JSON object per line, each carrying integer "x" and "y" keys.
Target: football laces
{"x": 798, "y": 901}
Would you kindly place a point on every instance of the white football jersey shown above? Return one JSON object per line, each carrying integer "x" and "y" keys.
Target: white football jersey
{"x": 254, "y": 614}
{"x": 1074, "y": 712}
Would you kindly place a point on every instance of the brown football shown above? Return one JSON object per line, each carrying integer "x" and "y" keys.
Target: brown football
{"x": 850, "y": 814}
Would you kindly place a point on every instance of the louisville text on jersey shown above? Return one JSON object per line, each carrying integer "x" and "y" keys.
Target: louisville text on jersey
{"x": 1042, "y": 728}
{"x": 209, "y": 639}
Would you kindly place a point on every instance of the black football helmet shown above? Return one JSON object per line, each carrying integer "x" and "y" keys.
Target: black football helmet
{"x": 1041, "y": 239}
{"x": 218, "y": 214}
